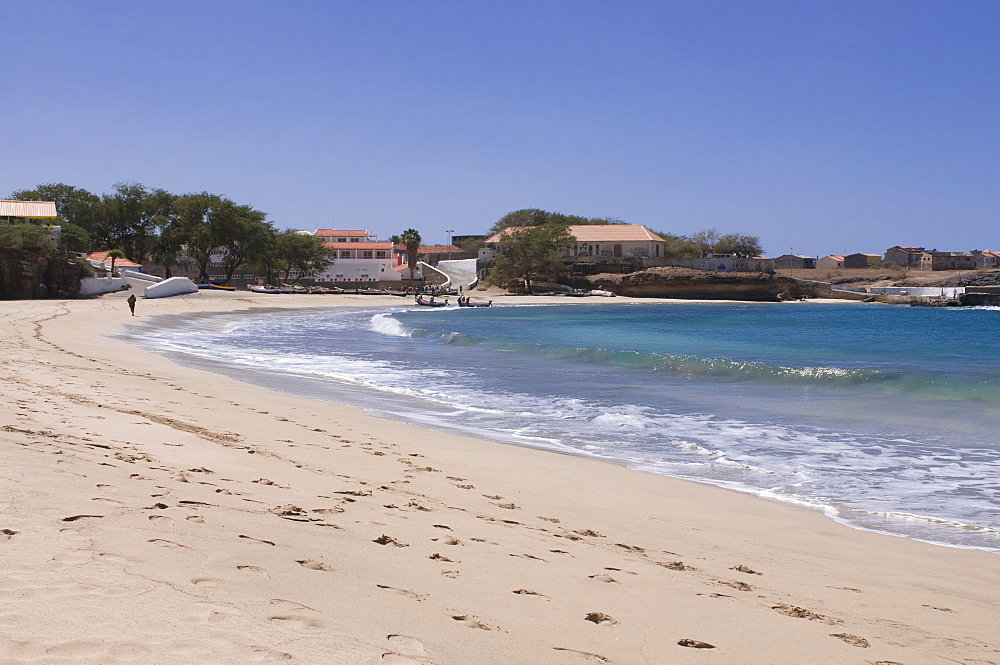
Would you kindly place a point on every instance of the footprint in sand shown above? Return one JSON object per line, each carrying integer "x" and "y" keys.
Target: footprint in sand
{"x": 600, "y": 618}
{"x": 597, "y": 658}
{"x": 195, "y": 518}
{"x": 295, "y": 622}
{"x": 451, "y": 574}
{"x": 5, "y": 534}
{"x": 450, "y": 540}
{"x": 389, "y": 540}
{"x": 406, "y": 645}
{"x": 291, "y": 604}
{"x": 207, "y": 582}
{"x": 252, "y": 569}
{"x": 313, "y": 565}
{"x": 403, "y": 592}
{"x": 604, "y": 577}
{"x": 529, "y": 592}
{"x": 853, "y": 640}
{"x": 161, "y": 519}
{"x": 167, "y": 543}
{"x": 470, "y": 622}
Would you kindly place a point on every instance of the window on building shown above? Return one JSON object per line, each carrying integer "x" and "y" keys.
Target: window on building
{"x": 355, "y": 239}
{"x": 368, "y": 254}
{"x": 345, "y": 253}
{"x": 380, "y": 254}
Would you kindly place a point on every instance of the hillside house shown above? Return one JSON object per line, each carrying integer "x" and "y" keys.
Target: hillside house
{"x": 120, "y": 264}
{"x": 905, "y": 256}
{"x": 861, "y": 260}
{"x": 986, "y": 259}
{"x": 598, "y": 242}
{"x": 794, "y": 262}
{"x": 831, "y": 262}
{"x": 935, "y": 260}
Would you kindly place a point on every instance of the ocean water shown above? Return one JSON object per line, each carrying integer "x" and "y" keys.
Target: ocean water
{"x": 884, "y": 418}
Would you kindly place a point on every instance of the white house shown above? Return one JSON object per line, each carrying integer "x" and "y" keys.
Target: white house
{"x": 597, "y": 242}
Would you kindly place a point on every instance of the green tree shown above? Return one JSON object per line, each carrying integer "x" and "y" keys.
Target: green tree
{"x": 302, "y": 254}
{"x": 242, "y": 235}
{"x": 74, "y": 238}
{"x": 127, "y": 219}
{"x": 530, "y": 252}
{"x": 537, "y": 217}
{"x": 739, "y": 244}
{"x": 31, "y": 237}
{"x": 114, "y": 255}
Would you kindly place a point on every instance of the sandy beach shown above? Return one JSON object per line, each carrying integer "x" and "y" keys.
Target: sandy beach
{"x": 153, "y": 513}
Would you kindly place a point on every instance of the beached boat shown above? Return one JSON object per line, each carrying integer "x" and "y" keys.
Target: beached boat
{"x": 216, "y": 287}
{"x": 263, "y": 288}
{"x": 419, "y": 300}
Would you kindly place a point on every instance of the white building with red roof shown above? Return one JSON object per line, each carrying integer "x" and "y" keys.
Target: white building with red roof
{"x": 358, "y": 256}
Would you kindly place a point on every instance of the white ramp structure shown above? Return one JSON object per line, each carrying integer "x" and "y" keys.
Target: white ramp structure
{"x": 175, "y": 286}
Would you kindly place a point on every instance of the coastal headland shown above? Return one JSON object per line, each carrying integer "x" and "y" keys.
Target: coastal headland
{"x": 155, "y": 513}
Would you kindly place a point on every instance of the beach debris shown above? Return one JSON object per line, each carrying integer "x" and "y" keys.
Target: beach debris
{"x": 630, "y": 548}
{"x": 695, "y": 644}
{"x": 509, "y": 506}
{"x": 73, "y": 518}
{"x": 554, "y": 520}
{"x": 389, "y": 540}
{"x": 853, "y": 640}
{"x": 257, "y": 540}
{"x": 600, "y": 618}
{"x": 414, "y": 504}
{"x": 743, "y": 569}
{"x": 439, "y": 557}
{"x": 589, "y": 532}
{"x": 7, "y": 533}
{"x": 355, "y": 492}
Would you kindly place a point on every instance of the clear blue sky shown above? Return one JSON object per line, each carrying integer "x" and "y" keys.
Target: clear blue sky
{"x": 826, "y": 127}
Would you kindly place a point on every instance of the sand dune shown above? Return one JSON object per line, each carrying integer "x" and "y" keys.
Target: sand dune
{"x": 151, "y": 513}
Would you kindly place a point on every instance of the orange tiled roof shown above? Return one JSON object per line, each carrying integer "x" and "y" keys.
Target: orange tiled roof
{"x": 119, "y": 263}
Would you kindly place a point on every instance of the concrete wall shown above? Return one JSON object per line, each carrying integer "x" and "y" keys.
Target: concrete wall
{"x": 95, "y": 286}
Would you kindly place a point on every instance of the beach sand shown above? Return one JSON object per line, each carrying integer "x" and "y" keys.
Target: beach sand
{"x": 152, "y": 513}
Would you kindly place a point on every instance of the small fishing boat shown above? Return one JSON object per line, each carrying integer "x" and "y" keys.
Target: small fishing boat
{"x": 216, "y": 287}
{"x": 263, "y": 288}
{"x": 419, "y": 300}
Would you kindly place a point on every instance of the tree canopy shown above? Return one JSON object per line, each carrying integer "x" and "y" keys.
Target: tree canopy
{"x": 536, "y": 217}
{"x": 530, "y": 252}
{"x": 702, "y": 242}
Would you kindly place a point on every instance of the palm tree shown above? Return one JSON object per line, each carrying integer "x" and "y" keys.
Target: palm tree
{"x": 410, "y": 238}
{"x": 114, "y": 255}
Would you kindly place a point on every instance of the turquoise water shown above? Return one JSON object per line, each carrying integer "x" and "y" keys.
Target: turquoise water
{"x": 884, "y": 418}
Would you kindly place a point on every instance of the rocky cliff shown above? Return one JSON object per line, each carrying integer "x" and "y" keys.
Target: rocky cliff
{"x": 673, "y": 282}
{"x": 45, "y": 273}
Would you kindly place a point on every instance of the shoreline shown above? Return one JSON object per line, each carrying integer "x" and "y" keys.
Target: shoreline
{"x": 123, "y": 429}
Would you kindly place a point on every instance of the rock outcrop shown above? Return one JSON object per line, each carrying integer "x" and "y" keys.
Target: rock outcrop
{"x": 45, "y": 273}
{"x": 673, "y": 282}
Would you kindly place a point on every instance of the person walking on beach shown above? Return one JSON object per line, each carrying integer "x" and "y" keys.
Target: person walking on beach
{"x": 131, "y": 304}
